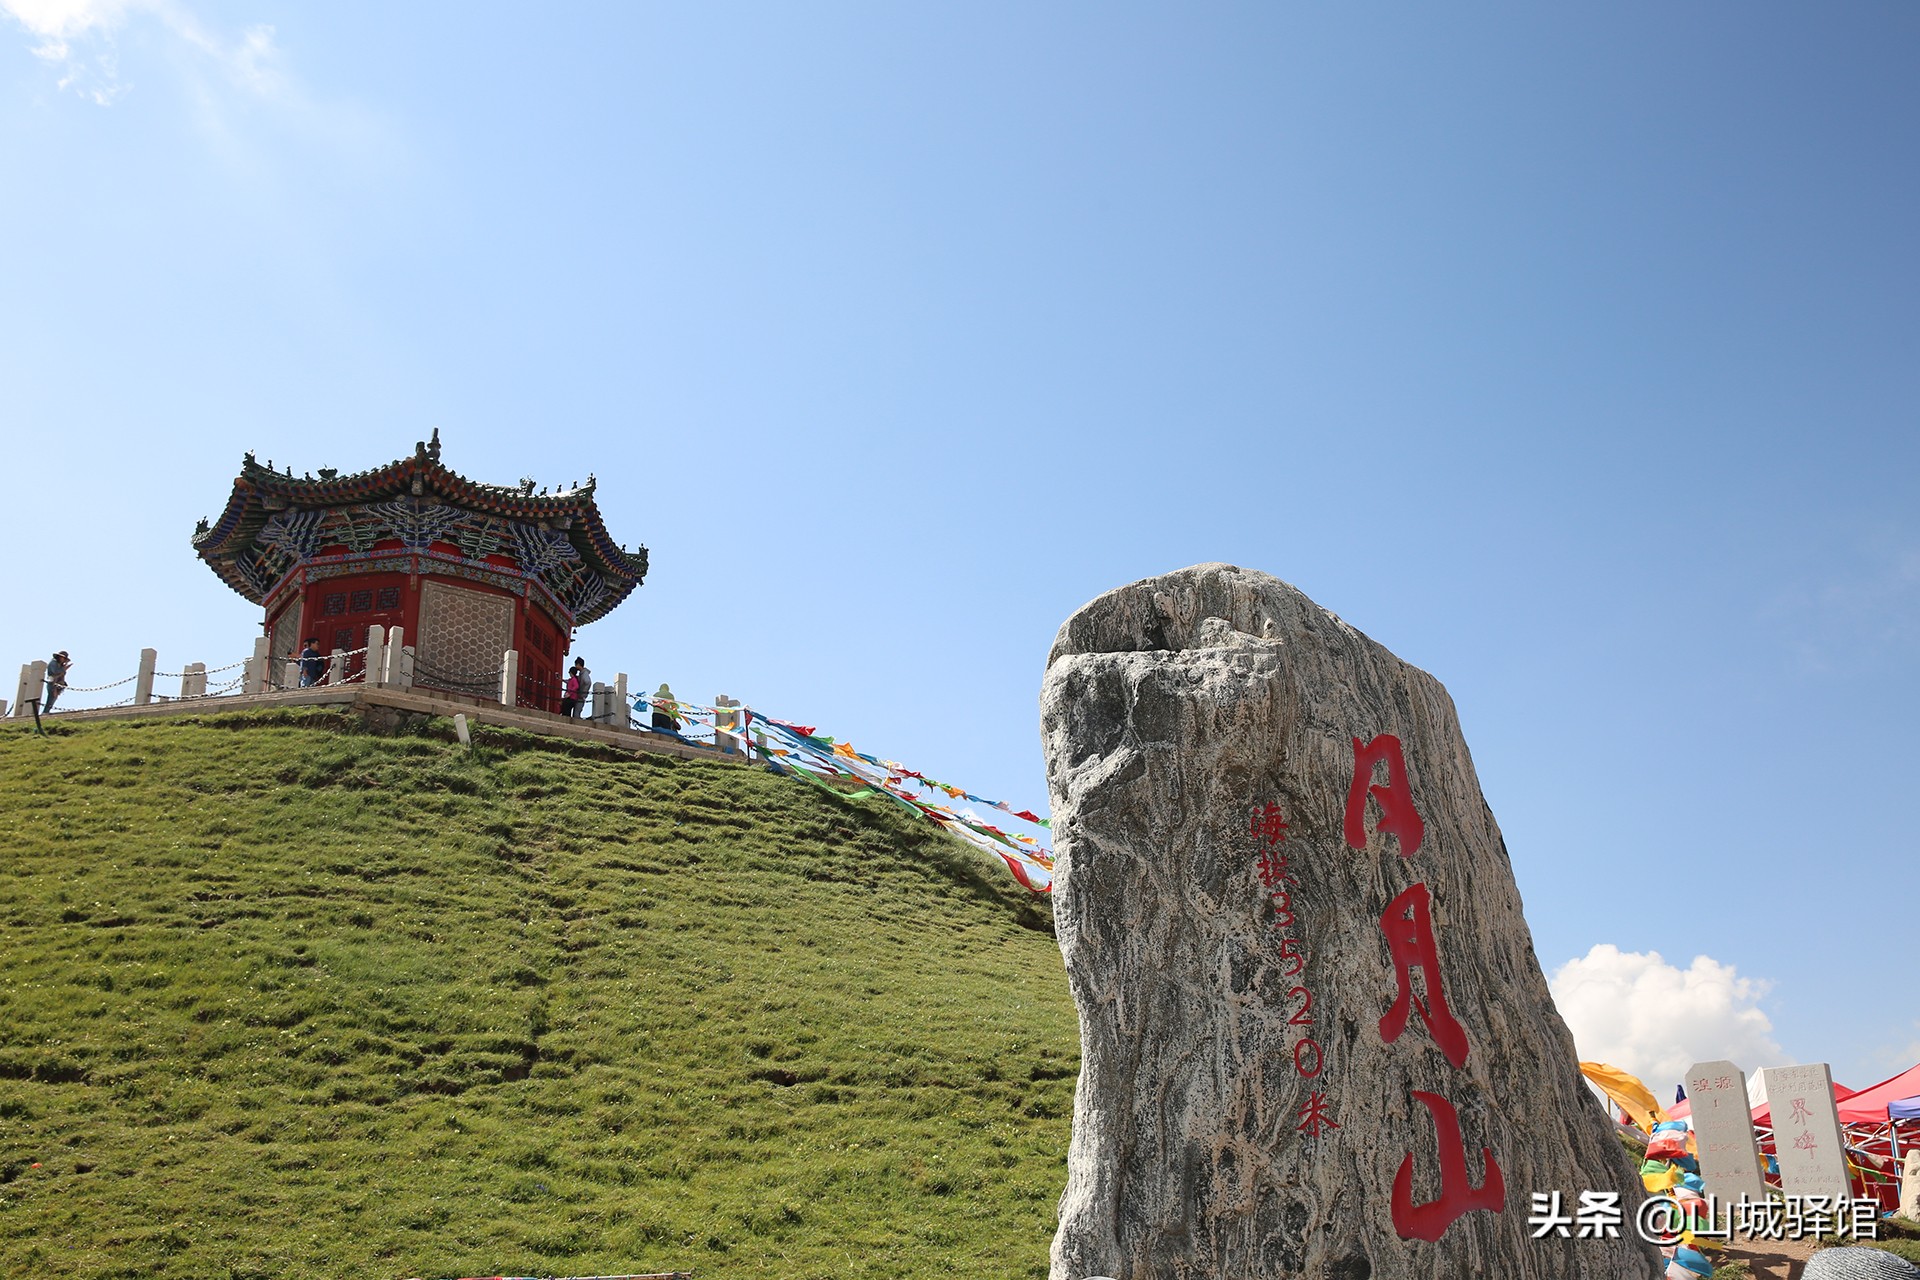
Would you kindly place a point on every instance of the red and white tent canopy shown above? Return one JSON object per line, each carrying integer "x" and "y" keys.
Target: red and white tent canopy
{"x": 1881, "y": 1103}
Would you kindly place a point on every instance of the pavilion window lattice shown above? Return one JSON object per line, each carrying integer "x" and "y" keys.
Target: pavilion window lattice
{"x": 543, "y": 640}
{"x": 463, "y": 635}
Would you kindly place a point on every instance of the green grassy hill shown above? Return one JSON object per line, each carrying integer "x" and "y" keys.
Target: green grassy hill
{"x": 280, "y": 997}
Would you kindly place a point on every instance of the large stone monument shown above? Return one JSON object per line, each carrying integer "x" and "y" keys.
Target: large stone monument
{"x": 1315, "y": 1039}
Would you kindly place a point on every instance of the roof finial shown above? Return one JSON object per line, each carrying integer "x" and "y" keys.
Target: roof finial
{"x": 433, "y": 445}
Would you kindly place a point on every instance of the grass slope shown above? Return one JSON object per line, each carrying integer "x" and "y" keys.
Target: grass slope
{"x": 281, "y": 997}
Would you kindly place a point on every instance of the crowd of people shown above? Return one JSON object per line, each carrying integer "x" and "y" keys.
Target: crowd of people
{"x": 578, "y": 688}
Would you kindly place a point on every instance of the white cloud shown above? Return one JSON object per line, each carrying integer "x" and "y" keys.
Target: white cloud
{"x": 1646, "y": 1016}
{"x": 61, "y": 20}
{"x": 78, "y": 37}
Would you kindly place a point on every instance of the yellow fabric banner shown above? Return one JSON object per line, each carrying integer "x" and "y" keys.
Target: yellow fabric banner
{"x": 1631, "y": 1096}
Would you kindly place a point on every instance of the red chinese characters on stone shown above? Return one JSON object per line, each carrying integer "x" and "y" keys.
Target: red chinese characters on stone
{"x": 1314, "y": 1117}
{"x": 1277, "y": 877}
{"x": 1273, "y": 870}
{"x": 1408, "y": 924}
{"x": 1398, "y": 817}
{"x": 1429, "y": 1221}
{"x": 1269, "y": 824}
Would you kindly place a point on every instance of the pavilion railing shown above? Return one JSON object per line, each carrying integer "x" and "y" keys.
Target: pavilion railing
{"x": 386, "y": 660}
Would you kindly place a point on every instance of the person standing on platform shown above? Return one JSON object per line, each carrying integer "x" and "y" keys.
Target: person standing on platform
{"x": 573, "y": 693}
{"x": 664, "y": 706}
{"x": 586, "y": 687}
{"x": 56, "y": 678}
{"x": 313, "y": 663}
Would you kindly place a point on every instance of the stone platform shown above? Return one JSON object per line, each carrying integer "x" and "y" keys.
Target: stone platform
{"x": 369, "y": 699}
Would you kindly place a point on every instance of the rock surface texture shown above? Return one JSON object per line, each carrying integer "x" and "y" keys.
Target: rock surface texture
{"x": 1256, "y": 1099}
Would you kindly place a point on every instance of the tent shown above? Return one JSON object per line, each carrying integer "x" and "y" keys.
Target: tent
{"x": 1895, "y": 1099}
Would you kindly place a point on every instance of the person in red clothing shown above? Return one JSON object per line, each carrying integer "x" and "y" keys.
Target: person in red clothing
{"x": 573, "y": 694}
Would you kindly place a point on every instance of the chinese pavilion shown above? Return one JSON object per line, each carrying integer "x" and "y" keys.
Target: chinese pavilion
{"x": 467, "y": 570}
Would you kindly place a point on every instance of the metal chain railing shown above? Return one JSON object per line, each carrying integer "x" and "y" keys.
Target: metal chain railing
{"x": 63, "y": 692}
{"x": 97, "y": 688}
{"x": 180, "y": 675}
{"x": 477, "y": 683}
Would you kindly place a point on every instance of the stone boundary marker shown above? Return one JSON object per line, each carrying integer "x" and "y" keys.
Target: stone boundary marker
{"x": 1723, "y": 1132}
{"x": 1315, "y": 1039}
{"x": 1806, "y": 1131}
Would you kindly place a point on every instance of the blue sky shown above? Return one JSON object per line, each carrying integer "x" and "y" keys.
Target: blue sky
{"x": 1570, "y": 353}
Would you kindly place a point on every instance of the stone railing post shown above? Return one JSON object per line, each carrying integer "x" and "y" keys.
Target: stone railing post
{"x": 396, "y": 647}
{"x": 725, "y": 723}
{"x": 623, "y": 715}
{"x": 509, "y": 677}
{"x": 257, "y": 673}
{"x": 405, "y": 678}
{"x": 193, "y": 680}
{"x": 143, "y": 683}
{"x": 3, "y": 708}
{"x": 336, "y": 667}
{"x": 37, "y": 682}
{"x": 24, "y": 690}
{"x": 289, "y": 675}
{"x": 760, "y": 743}
{"x": 376, "y": 661}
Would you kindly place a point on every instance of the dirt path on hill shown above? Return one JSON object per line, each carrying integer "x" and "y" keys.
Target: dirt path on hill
{"x": 1772, "y": 1259}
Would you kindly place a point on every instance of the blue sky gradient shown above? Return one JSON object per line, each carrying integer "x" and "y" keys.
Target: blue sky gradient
{"x": 1571, "y": 353}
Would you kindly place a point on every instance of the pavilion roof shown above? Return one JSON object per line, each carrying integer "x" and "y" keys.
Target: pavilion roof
{"x": 260, "y": 493}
